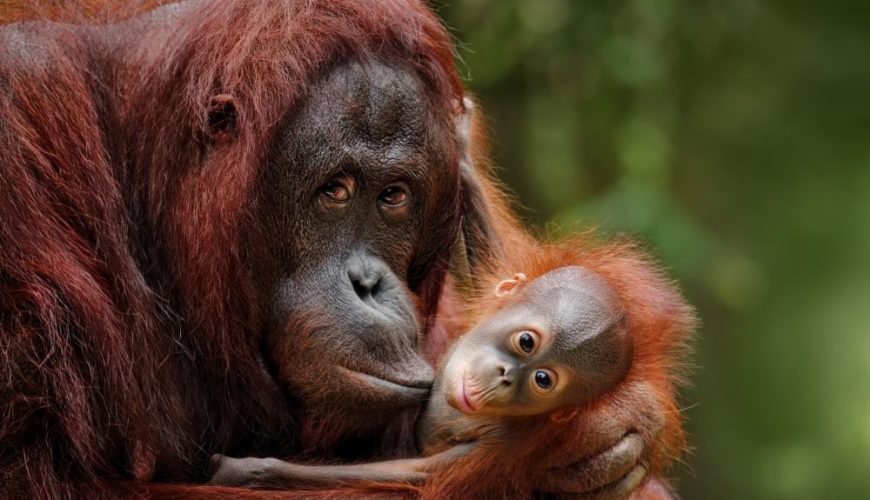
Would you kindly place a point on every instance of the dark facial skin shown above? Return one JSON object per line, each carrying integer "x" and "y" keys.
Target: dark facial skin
{"x": 560, "y": 340}
{"x": 345, "y": 205}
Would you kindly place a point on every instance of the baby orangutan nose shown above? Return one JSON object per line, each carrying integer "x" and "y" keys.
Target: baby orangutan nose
{"x": 507, "y": 374}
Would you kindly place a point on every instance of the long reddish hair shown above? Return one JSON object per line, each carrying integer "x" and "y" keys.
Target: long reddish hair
{"x": 123, "y": 299}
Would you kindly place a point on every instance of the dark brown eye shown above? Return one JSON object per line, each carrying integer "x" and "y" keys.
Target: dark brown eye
{"x": 394, "y": 196}
{"x": 339, "y": 189}
{"x": 544, "y": 380}
{"x": 526, "y": 342}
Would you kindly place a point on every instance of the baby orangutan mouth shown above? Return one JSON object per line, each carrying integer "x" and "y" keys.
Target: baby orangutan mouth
{"x": 461, "y": 400}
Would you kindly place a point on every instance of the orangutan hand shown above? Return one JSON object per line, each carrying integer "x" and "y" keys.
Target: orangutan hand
{"x": 625, "y": 433}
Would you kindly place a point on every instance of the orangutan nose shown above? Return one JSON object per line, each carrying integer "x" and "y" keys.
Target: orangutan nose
{"x": 507, "y": 374}
{"x": 366, "y": 275}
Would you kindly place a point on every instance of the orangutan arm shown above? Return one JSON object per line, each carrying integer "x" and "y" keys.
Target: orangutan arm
{"x": 271, "y": 473}
{"x": 634, "y": 420}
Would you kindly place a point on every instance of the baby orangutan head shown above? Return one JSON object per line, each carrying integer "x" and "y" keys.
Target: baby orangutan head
{"x": 558, "y": 340}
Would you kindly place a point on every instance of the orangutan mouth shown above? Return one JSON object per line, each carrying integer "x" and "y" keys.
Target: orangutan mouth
{"x": 416, "y": 390}
{"x": 464, "y": 402}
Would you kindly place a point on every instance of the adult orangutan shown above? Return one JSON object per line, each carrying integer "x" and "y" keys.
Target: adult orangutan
{"x": 223, "y": 226}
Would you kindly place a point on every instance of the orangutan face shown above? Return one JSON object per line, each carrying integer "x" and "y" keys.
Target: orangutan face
{"x": 351, "y": 203}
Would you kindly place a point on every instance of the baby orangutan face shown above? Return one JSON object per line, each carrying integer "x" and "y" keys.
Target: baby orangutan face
{"x": 558, "y": 340}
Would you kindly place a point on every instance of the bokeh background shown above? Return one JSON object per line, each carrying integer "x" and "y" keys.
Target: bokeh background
{"x": 734, "y": 137}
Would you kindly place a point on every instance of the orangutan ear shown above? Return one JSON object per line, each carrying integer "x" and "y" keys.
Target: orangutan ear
{"x": 510, "y": 286}
{"x": 479, "y": 243}
{"x": 222, "y": 118}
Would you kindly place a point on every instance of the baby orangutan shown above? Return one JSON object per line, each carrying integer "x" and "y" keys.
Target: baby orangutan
{"x": 513, "y": 394}
{"x": 557, "y": 341}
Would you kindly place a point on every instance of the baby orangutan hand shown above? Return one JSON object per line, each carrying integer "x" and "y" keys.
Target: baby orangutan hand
{"x": 630, "y": 437}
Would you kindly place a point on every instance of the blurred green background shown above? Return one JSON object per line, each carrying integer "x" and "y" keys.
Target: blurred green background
{"x": 734, "y": 136}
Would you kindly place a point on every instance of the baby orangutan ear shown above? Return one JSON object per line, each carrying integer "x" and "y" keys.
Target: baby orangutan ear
{"x": 222, "y": 118}
{"x": 510, "y": 286}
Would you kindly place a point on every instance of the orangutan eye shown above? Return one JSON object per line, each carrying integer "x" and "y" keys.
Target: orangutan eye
{"x": 339, "y": 189}
{"x": 525, "y": 341}
{"x": 545, "y": 380}
{"x": 394, "y": 195}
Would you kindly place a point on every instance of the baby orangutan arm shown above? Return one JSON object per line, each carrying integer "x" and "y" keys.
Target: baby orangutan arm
{"x": 271, "y": 473}
{"x": 629, "y": 462}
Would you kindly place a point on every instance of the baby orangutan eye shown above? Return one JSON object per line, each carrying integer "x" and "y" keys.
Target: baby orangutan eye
{"x": 545, "y": 380}
{"x": 525, "y": 341}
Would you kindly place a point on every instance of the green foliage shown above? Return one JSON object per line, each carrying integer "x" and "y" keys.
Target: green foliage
{"x": 734, "y": 137}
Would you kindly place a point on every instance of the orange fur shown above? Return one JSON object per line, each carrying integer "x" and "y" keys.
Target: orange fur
{"x": 660, "y": 322}
{"x": 661, "y": 325}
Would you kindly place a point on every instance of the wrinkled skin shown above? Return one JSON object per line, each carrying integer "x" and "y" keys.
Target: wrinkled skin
{"x": 344, "y": 204}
